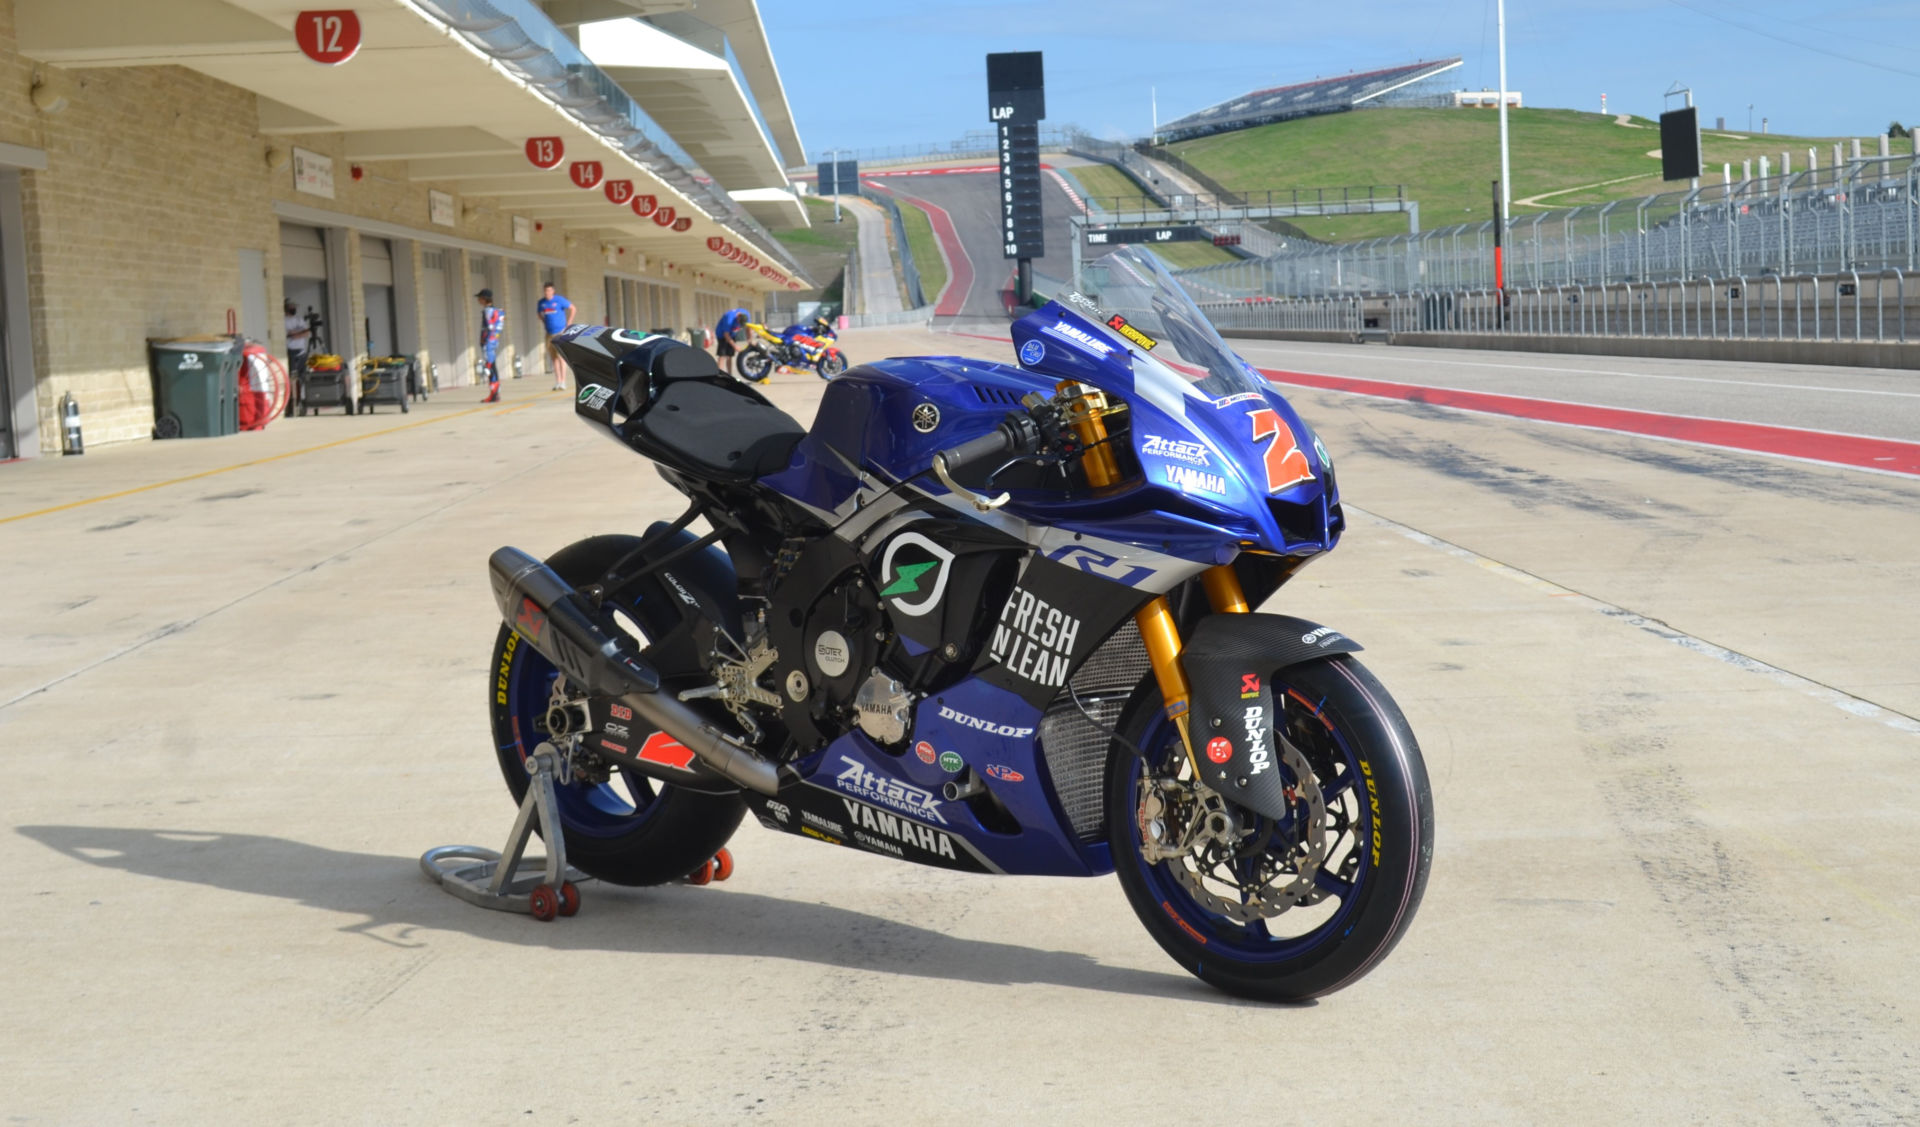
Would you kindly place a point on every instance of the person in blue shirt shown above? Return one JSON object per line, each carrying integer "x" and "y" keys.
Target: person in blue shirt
{"x": 492, "y": 320}
{"x": 556, "y": 314}
{"x": 726, "y": 333}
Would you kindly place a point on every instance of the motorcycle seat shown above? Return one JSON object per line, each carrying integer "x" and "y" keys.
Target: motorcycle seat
{"x": 721, "y": 431}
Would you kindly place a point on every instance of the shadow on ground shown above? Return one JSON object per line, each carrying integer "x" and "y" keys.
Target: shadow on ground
{"x": 397, "y": 900}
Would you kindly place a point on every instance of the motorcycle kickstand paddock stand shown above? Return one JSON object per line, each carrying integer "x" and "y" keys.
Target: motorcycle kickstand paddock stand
{"x": 543, "y": 887}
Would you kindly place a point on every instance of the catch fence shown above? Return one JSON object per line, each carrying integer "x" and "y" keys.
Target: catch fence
{"x": 1857, "y": 216}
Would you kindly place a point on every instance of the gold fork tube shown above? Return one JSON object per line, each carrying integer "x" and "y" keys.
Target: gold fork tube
{"x": 1161, "y": 635}
{"x": 1222, "y": 585}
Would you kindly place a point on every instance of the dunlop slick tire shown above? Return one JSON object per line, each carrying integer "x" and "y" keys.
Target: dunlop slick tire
{"x": 686, "y": 830}
{"x": 1358, "y": 706}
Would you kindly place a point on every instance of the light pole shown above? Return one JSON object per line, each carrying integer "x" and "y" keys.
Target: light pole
{"x": 1749, "y": 117}
{"x": 1505, "y": 200}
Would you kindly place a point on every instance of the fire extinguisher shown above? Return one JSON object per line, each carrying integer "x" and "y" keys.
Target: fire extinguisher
{"x": 70, "y": 442}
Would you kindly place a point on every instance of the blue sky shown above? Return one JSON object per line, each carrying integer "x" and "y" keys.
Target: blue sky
{"x": 864, "y": 73}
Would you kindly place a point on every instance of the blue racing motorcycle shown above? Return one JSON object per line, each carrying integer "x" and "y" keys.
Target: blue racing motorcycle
{"x": 982, "y": 617}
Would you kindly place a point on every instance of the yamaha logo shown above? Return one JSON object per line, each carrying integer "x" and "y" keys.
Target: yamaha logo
{"x": 926, "y": 418}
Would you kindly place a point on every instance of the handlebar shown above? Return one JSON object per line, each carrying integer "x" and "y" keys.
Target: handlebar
{"x": 1016, "y": 434}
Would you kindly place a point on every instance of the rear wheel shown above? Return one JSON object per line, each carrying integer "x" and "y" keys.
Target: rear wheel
{"x": 753, "y": 363}
{"x": 1288, "y": 910}
{"x": 629, "y": 829}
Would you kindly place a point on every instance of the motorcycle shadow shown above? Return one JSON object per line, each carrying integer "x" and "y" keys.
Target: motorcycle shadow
{"x": 395, "y": 901}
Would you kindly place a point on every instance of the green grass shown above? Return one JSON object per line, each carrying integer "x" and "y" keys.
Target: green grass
{"x": 926, "y": 250}
{"x": 1105, "y": 182}
{"x": 822, "y": 248}
{"x": 1448, "y": 159}
{"x": 1185, "y": 256}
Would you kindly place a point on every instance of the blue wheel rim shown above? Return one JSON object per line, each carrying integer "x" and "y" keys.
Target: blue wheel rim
{"x": 1253, "y": 943}
{"x": 597, "y": 810}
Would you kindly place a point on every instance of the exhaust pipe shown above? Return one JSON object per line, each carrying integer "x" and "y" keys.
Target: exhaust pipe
{"x": 585, "y": 644}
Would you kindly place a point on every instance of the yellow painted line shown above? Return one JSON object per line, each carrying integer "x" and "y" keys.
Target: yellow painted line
{"x": 259, "y": 462}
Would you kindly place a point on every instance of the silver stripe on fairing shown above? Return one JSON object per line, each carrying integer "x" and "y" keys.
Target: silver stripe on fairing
{"x": 872, "y": 523}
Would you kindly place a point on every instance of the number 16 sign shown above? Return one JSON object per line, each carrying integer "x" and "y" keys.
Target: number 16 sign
{"x": 330, "y": 37}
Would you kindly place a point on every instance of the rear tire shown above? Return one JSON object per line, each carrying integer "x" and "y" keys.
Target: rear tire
{"x": 753, "y": 362}
{"x": 632, "y": 830}
{"x": 1366, "y": 764}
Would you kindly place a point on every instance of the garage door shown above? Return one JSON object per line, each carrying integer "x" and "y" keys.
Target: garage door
{"x": 303, "y": 267}
{"x": 376, "y": 280}
{"x": 434, "y": 281}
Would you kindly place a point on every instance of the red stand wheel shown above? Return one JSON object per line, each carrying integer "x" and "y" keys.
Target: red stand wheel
{"x": 722, "y": 865}
{"x": 569, "y": 898}
{"x": 701, "y": 875}
{"x": 543, "y": 902}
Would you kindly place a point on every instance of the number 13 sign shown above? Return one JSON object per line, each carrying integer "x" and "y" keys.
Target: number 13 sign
{"x": 330, "y": 37}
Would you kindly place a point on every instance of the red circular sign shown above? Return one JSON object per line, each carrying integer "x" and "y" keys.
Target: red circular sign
{"x": 683, "y": 224}
{"x": 546, "y": 152}
{"x": 664, "y": 217}
{"x": 585, "y": 173}
{"x": 643, "y": 205}
{"x": 330, "y": 36}
{"x": 715, "y": 242}
{"x": 618, "y": 191}
{"x": 1219, "y": 749}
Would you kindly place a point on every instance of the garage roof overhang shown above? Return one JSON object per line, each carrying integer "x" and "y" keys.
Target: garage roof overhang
{"x": 693, "y": 95}
{"x": 444, "y": 85}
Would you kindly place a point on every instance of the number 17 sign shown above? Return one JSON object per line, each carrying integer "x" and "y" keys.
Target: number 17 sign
{"x": 330, "y": 37}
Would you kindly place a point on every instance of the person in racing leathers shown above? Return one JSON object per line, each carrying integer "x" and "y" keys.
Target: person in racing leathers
{"x": 492, "y": 320}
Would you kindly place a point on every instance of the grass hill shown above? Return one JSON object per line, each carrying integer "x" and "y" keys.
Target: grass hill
{"x": 1448, "y": 159}
{"x": 822, "y": 248}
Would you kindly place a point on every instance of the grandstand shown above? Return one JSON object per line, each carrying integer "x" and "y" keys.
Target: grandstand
{"x": 1302, "y": 99}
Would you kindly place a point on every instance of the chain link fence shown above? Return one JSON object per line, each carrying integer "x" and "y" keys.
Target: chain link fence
{"x": 1857, "y": 216}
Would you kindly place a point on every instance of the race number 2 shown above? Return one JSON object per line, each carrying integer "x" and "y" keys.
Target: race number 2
{"x": 1286, "y": 465}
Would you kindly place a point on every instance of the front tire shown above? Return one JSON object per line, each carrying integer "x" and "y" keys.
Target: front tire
{"x": 1377, "y": 830}
{"x": 632, "y": 829}
{"x": 831, "y": 365}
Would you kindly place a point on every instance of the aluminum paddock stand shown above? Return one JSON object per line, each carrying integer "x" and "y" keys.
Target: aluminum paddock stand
{"x": 542, "y": 887}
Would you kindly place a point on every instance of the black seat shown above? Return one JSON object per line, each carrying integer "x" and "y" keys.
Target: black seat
{"x": 715, "y": 428}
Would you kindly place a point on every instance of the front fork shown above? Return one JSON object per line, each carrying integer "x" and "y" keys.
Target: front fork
{"x": 1162, "y": 637}
{"x": 1087, "y": 409}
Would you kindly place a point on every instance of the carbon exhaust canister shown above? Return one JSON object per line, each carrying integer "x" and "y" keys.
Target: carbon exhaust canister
{"x": 585, "y": 644}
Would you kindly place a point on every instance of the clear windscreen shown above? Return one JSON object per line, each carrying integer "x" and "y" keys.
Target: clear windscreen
{"x": 1131, "y": 295}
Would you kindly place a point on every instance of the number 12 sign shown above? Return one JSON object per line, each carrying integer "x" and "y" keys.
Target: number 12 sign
{"x": 330, "y": 37}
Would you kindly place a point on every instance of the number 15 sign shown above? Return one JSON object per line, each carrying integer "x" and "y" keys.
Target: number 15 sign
{"x": 330, "y": 37}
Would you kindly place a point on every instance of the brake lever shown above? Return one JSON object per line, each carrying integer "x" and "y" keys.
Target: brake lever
{"x": 980, "y": 501}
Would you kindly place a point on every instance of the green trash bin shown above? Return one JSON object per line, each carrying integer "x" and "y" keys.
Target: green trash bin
{"x": 196, "y": 386}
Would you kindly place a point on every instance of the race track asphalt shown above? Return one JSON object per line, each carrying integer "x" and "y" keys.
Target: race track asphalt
{"x": 1666, "y": 693}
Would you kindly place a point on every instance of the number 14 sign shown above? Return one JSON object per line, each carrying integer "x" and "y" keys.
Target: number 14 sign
{"x": 330, "y": 37}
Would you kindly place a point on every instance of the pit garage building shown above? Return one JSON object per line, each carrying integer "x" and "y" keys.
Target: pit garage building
{"x": 176, "y": 167}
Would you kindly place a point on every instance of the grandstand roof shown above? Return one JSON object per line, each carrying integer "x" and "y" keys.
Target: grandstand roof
{"x": 1301, "y": 99}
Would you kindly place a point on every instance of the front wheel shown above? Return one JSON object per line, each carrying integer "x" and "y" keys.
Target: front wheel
{"x": 753, "y": 363}
{"x": 628, "y": 829}
{"x": 1289, "y": 910}
{"x": 831, "y": 365}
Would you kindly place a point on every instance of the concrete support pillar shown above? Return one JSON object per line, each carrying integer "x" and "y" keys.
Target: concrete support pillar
{"x": 409, "y": 306}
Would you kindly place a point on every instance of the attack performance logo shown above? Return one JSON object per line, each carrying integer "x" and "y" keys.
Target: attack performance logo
{"x": 914, "y": 571}
{"x": 1286, "y": 465}
{"x": 862, "y": 781}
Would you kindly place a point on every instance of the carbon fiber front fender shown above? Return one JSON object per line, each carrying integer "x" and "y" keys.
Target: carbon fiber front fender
{"x": 1229, "y": 659}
